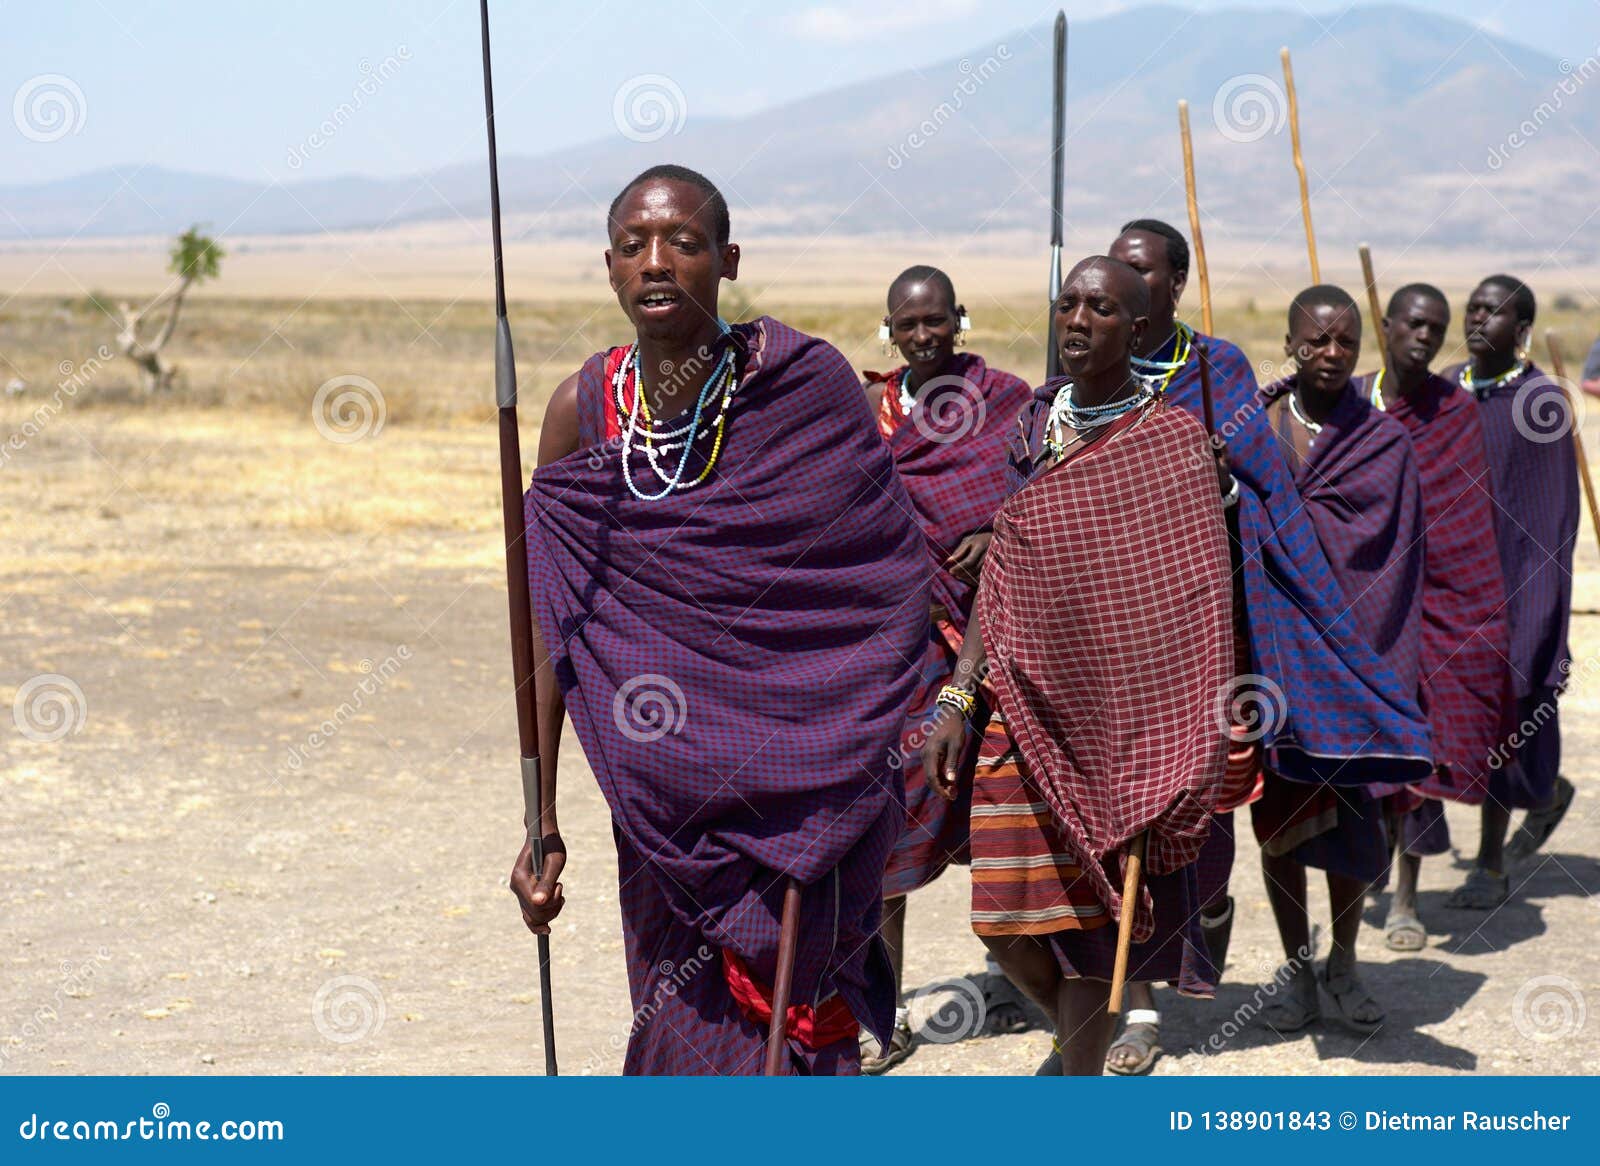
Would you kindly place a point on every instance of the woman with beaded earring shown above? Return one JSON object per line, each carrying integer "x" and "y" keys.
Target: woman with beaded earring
{"x": 946, "y": 415}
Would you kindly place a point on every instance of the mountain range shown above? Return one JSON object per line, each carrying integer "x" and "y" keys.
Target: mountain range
{"x": 1418, "y": 130}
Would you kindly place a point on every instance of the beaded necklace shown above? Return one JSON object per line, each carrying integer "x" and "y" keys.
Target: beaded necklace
{"x": 1315, "y": 427}
{"x": 1158, "y": 374}
{"x": 723, "y": 376}
{"x": 908, "y": 399}
{"x": 1485, "y": 388}
{"x": 1065, "y": 413}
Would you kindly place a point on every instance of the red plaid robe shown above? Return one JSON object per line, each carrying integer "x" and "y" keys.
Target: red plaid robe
{"x": 1107, "y": 614}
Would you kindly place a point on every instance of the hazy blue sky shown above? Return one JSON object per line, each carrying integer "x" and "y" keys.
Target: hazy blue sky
{"x": 239, "y": 88}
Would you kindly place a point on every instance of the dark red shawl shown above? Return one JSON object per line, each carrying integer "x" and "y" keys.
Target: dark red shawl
{"x": 951, "y": 456}
{"x": 1466, "y": 638}
{"x": 1107, "y": 614}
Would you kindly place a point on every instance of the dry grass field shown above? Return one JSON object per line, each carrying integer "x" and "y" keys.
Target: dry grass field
{"x": 268, "y": 830}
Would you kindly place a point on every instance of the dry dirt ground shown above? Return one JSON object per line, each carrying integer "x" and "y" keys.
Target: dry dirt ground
{"x": 198, "y": 875}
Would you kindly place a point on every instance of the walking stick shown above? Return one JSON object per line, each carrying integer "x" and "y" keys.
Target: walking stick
{"x": 1377, "y": 313}
{"x": 1300, "y": 163}
{"x": 788, "y": 940}
{"x": 1559, "y": 367}
{"x": 1194, "y": 219}
{"x": 1058, "y": 137}
{"x": 1130, "y": 906}
{"x": 516, "y": 532}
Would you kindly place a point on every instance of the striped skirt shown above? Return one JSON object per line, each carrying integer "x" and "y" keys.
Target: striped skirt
{"x": 1025, "y": 881}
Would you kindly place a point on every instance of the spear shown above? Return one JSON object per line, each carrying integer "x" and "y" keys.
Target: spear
{"x": 1300, "y": 163}
{"x": 1058, "y": 136}
{"x": 1194, "y": 219}
{"x": 516, "y": 531}
{"x": 1559, "y": 367}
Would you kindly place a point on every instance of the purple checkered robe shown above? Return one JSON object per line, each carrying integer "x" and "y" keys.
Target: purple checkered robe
{"x": 736, "y": 660}
{"x": 1534, "y": 472}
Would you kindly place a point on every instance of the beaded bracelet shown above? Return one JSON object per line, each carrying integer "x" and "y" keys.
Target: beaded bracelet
{"x": 958, "y": 698}
{"x": 1231, "y": 498}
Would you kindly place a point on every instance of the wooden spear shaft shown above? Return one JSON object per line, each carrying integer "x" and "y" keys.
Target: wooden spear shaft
{"x": 1376, "y": 312}
{"x": 1194, "y": 218}
{"x": 788, "y": 940}
{"x": 1300, "y": 163}
{"x": 1130, "y": 908}
{"x": 1559, "y": 367}
{"x": 516, "y": 534}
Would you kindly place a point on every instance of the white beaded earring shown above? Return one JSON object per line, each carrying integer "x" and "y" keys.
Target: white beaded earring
{"x": 883, "y": 335}
{"x": 963, "y": 326}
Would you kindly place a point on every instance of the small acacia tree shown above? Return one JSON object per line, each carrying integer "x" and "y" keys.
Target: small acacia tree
{"x": 194, "y": 259}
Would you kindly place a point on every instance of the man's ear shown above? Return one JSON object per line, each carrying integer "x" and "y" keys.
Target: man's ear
{"x": 1179, "y": 282}
{"x": 1288, "y": 347}
{"x": 610, "y": 275}
{"x": 1138, "y": 329}
{"x": 730, "y": 261}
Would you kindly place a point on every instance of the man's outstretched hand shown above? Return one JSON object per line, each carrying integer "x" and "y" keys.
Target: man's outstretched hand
{"x": 540, "y": 897}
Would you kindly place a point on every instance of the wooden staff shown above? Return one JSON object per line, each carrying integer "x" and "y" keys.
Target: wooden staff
{"x": 1300, "y": 163}
{"x": 1377, "y": 313}
{"x": 1194, "y": 218}
{"x": 1130, "y": 907}
{"x": 788, "y": 940}
{"x": 1559, "y": 367}
{"x": 1058, "y": 181}
{"x": 516, "y": 532}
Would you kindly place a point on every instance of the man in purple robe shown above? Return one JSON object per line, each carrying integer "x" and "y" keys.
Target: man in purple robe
{"x": 730, "y": 597}
{"x": 1357, "y": 476}
{"x": 1527, "y": 428}
{"x": 1465, "y": 638}
{"x": 946, "y": 415}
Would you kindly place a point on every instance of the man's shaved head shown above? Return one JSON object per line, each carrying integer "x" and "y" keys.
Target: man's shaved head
{"x": 1322, "y": 295}
{"x": 1123, "y": 281}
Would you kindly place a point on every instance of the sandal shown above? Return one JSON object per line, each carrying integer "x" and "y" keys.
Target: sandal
{"x": 1350, "y": 995}
{"x": 1002, "y": 1005}
{"x": 875, "y": 1059}
{"x": 1403, "y": 931}
{"x": 1538, "y": 825}
{"x": 1484, "y": 890}
{"x": 1051, "y": 1065}
{"x": 1298, "y": 1010}
{"x": 1141, "y": 1034}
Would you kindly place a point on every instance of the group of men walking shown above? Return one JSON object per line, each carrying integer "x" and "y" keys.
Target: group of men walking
{"x": 805, "y": 632}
